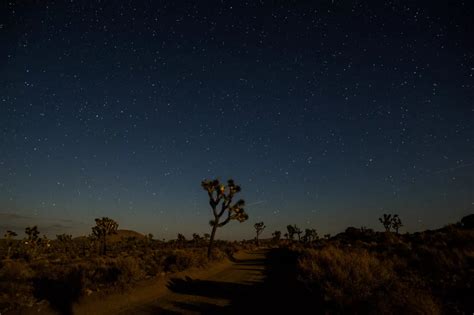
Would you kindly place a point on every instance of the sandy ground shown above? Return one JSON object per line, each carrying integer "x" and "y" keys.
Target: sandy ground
{"x": 169, "y": 294}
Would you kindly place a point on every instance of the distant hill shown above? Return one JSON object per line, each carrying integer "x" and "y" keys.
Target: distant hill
{"x": 121, "y": 235}
{"x": 124, "y": 234}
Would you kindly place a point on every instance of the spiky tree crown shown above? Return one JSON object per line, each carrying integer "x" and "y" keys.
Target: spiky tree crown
{"x": 259, "y": 227}
{"x": 104, "y": 226}
{"x": 224, "y": 194}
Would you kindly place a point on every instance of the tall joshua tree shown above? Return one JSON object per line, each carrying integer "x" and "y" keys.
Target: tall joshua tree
{"x": 396, "y": 223}
{"x": 220, "y": 200}
{"x": 259, "y": 227}
{"x": 104, "y": 227}
{"x": 386, "y": 221}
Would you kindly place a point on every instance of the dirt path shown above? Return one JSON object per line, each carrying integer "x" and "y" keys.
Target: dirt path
{"x": 261, "y": 281}
{"x": 207, "y": 293}
{"x": 189, "y": 292}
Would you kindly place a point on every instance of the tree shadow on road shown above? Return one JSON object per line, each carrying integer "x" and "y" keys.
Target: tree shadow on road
{"x": 279, "y": 293}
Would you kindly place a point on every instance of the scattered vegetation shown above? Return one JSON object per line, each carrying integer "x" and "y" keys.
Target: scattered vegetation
{"x": 358, "y": 271}
{"x": 62, "y": 270}
{"x": 362, "y": 271}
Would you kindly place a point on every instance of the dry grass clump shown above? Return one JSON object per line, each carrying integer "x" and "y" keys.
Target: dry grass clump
{"x": 357, "y": 281}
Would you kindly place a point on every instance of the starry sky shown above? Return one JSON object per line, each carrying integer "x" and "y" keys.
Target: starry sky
{"x": 327, "y": 113}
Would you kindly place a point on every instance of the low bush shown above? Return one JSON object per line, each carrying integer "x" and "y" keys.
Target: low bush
{"x": 357, "y": 281}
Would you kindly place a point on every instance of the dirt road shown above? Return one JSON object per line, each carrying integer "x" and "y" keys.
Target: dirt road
{"x": 256, "y": 281}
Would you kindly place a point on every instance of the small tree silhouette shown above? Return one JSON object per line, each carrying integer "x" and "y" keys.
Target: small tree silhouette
{"x": 310, "y": 235}
{"x": 259, "y": 227}
{"x": 396, "y": 223}
{"x": 298, "y": 231}
{"x": 276, "y": 236}
{"x": 197, "y": 239}
{"x": 104, "y": 227}
{"x": 223, "y": 195}
{"x": 291, "y": 232}
{"x": 32, "y": 234}
{"x": 386, "y": 221}
{"x": 181, "y": 239}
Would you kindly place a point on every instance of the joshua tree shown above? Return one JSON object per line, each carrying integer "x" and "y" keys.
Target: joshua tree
{"x": 298, "y": 231}
{"x": 32, "y": 234}
{"x": 218, "y": 193}
{"x": 104, "y": 227}
{"x": 197, "y": 239}
{"x": 276, "y": 236}
{"x": 9, "y": 235}
{"x": 259, "y": 227}
{"x": 396, "y": 223}
{"x": 291, "y": 232}
{"x": 386, "y": 221}
{"x": 207, "y": 236}
{"x": 287, "y": 236}
{"x": 310, "y": 235}
{"x": 181, "y": 239}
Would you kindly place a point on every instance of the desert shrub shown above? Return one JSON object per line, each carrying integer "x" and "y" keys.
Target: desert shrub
{"x": 180, "y": 260}
{"x": 129, "y": 270}
{"x": 357, "y": 281}
{"x": 15, "y": 287}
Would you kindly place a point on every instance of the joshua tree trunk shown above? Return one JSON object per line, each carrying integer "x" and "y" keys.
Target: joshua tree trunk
{"x": 211, "y": 240}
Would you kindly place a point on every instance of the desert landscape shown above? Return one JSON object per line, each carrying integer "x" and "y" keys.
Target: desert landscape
{"x": 114, "y": 271}
{"x": 236, "y": 157}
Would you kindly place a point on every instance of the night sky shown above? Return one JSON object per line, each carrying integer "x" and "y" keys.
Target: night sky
{"x": 327, "y": 113}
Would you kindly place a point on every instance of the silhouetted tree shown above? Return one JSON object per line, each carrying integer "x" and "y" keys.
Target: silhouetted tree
{"x": 386, "y": 221}
{"x": 223, "y": 195}
{"x": 327, "y": 236}
{"x": 259, "y": 227}
{"x": 197, "y": 239}
{"x": 104, "y": 227}
{"x": 286, "y": 235}
{"x": 276, "y": 236}
{"x": 32, "y": 234}
{"x": 181, "y": 239}
{"x": 299, "y": 232}
{"x": 396, "y": 223}
{"x": 291, "y": 231}
{"x": 207, "y": 236}
{"x": 310, "y": 235}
